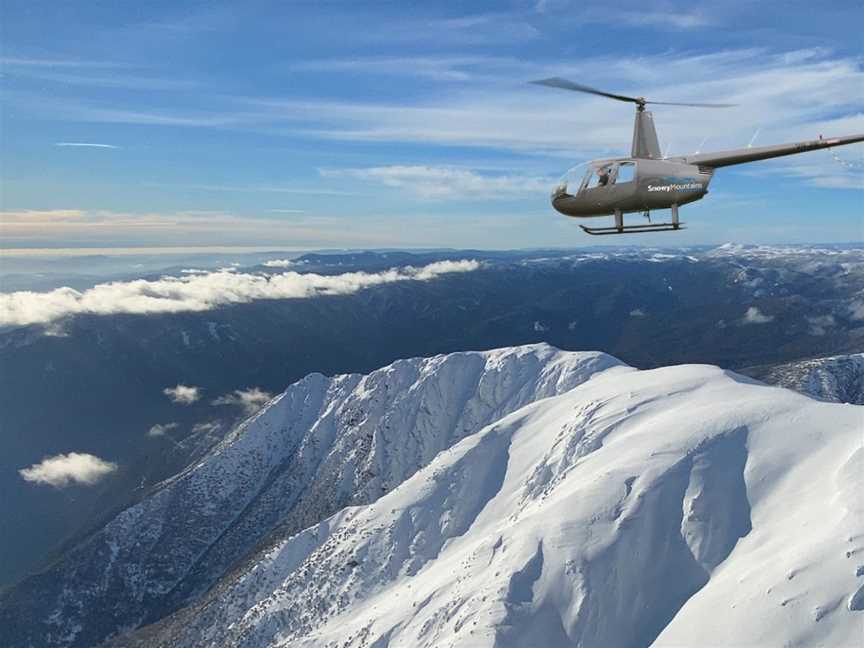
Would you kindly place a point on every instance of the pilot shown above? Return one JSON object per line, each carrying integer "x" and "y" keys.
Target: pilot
{"x": 603, "y": 176}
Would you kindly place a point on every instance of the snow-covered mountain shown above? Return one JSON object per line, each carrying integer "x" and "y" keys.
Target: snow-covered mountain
{"x": 521, "y": 497}
{"x": 839, "y": 379}
{"x": 683, "y": 506}
{"x": 324, "y": 444}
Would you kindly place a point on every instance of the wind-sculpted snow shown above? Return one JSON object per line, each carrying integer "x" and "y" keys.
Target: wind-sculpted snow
{"x": 324, "y": 444}
{"x": 668, "y": 508}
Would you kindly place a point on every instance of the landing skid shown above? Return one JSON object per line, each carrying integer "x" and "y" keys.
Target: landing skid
{"x": 621, "y": 228}
{"x": 632, "y": 229}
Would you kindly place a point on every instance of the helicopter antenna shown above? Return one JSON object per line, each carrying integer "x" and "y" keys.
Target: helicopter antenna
{"x": 701, "y": 144}
{"x": 753, "y": 139}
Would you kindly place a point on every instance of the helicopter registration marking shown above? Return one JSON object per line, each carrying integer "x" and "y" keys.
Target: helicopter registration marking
{"x": 688, "y": 186}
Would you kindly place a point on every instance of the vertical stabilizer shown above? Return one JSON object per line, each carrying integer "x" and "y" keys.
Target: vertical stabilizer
{"x": 645, "y": 144}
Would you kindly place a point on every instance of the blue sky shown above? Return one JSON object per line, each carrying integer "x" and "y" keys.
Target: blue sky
{"x": 337, "y": 124}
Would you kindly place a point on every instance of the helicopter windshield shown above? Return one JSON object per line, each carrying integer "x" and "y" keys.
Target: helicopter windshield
{"x": 571, "y": 181}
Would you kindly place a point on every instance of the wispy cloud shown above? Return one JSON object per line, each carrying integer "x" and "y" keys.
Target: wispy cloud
{"x": 662, "y": 15}
{"x": 470, "y": 29}
{"x": 804, "y": 91}
{"x": 258, "y": 228}
{"x": 279, "y": 263}
{"x": 97, "y": 74}
{"x": 161, "y": 429}
{"x": 87, "y": 145}
{"x": 672, "y": 19}
{"x": 755, "y": 316}
{"x": 437, "y": 68}
{"x": 65, "y": 469}
{"x": 447, "y": 182}
{"x": 11, "y": 61}
{"x": 39, "y": 216}
{"x": 181, "y": 394}
{"x": 324, "y": 191}
{"x": 249, "y": 400}
{"x": 201, "y": 292}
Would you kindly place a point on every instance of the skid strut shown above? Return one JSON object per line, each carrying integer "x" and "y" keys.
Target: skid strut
{"x": 621, "y": 228}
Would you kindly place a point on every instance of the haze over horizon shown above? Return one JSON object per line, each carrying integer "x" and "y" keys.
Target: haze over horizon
{"x": 331, "y": 126}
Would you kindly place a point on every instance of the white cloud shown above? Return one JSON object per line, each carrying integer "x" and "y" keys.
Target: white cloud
{"x": 540, "y": 327}
{"x": 206, "y": 428}
{"x": 183, "y": 394}
{"x": 448, "y": 182}
{"x": 669, "y": 19}
{"x": 856, "y": 309}
{"x": 40, "y": 217}
{"x": 278, "y": 263}
{"x": 637, "y": 312}
{"x": 806, "y": 92}
{"x": 443, "y": 68}
{"x": 87, "y": 145}
{"x": 201, "y": 292}
{"x": 55, "y": 63}
{"x": 64, "y": 469}
{"x": 755, "y": 316}
{"x": 250, "y": 400}
{"x": 160, "y": 429}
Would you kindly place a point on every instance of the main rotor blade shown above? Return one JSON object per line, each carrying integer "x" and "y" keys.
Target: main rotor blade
{"x": 696, "y": 105}
{"x": 564, "y": 84}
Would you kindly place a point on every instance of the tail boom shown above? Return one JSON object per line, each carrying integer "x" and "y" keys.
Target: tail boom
{"x": 742, "y": 156}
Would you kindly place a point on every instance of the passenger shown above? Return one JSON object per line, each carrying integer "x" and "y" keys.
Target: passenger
{"x": 603, "y": 176}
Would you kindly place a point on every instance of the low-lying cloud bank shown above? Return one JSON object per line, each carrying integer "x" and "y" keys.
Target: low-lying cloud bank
{"x": 201, "y": 292}
{"x": 64, "y": 469}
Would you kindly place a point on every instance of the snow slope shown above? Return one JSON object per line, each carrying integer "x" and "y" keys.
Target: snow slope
{"x": 324, "y": 444}
{"x": 683, "y": 506}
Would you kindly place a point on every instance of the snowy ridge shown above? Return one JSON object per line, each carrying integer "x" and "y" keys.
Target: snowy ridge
{"x": 324, "y": 444}
{"x": 641, "y": 508}
{"x": 839, "y": 379}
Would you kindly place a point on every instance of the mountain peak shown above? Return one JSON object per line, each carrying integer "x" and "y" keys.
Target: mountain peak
{"x": 623, "y": 512}
{"x": 323, "y": 444}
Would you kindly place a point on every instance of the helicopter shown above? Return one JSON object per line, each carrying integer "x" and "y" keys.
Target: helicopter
{"x": 648, "y": 180}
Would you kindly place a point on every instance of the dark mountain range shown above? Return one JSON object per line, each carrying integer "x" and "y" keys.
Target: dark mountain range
{"x": 838, "y": 379}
